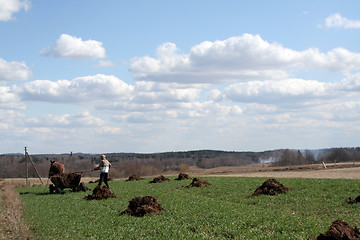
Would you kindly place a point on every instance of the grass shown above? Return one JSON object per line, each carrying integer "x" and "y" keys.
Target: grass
{"x": 223, "y": 210}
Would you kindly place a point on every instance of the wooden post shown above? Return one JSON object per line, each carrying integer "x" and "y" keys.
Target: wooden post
{"x": 27, "y": 170}
{"x": 28, "y": 156}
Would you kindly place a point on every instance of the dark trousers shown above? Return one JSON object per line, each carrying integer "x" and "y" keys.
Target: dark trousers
{"x": 104, "y": 177}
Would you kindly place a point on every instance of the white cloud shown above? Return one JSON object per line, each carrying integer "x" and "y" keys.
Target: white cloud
{"x": 9, "y": 7}
{"x": 338, "y": 21}
{"x": 341, "y": 112}
{"x": 236, "y": 110}
{"x": 109, "y": 130}
{"x": 246, "y": 57}
{"x": 152, "y": 92}
{"x": 75, "y": 48}
{"x": 276, "y": 91}
{"x": 350, "y": 84}
{"x": 13, "y": 71}
{"x": 104, "y": 64}
{"x": 9, "y": 119}
{"x": 215, "y": 95}
{"x": 293, "y": 92}
{"x": 9, "y": 100}
{"x": 84, "y": 119}
{"x": 98, "y": 88}
{"x": 261, "y": 109}
{"x": 108, "y": 93}
{"x": 342, "y": 60}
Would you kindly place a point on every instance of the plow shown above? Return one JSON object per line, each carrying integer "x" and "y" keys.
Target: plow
{"x": 61, "y": 180}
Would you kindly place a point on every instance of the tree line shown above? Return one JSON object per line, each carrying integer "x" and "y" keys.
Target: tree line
{"x": 125, "y": 164}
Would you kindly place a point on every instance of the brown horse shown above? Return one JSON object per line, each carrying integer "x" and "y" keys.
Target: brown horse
{"x": 56, "y": 168}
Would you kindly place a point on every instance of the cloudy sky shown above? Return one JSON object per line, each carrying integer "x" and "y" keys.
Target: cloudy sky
{"x": 154, "y": 76}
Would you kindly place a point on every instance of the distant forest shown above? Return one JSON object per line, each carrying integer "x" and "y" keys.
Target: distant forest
{"x": 125, "y": 164}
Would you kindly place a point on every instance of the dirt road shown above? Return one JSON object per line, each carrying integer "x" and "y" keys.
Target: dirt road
{"x": 12, "y": 223}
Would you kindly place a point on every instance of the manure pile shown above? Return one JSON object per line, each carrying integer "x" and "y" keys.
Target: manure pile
{"x": 134, "y": 177}
{"x": 139, "y": 206}
{"x": 197, "y": 182}
{"x": 340, "y": 230}
{"x": 270, "y": 187}
{"x": 99, "y": 193}
{"x": 159, "y": 179}
{"x": 183, "y": 176}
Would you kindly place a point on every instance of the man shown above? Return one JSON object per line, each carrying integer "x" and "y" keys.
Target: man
{"x": 104, "y": 168}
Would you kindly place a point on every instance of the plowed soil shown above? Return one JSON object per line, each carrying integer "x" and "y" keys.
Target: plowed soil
{"x": 340, "y": 230}
{"x": 270, "y": 187}
{"x": 197, "y": 182}
{"x": 183, "y": 176}
{"x": 159, "y": 179}
{"x": 141, "y": 206}
{"x": 333, "y": 171}
{"x": 134, "y": 178}
{"x": 99, "y": 193}
{"x": 12, "y": 222}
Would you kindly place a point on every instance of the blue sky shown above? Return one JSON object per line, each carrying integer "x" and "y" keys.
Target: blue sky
{"x": 154, "y": 76}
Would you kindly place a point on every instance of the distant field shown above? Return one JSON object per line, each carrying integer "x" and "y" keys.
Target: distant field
{"x": 224, "y": 210}
{"x": 334, "y": 171}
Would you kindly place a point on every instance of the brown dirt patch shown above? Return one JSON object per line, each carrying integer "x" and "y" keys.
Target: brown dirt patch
{"x": 333, "y": 171}
{"x": 159, "y": 179}
{"x": 134, "y": 177}
{"x": 99, "y": 193}
{"x": 183, "y": 176}
{"x": 271, "y": 187}
{"x": 12, "y": 223}
{"x": 340, "y": 230}
{"x": 197, "y": 182}
{"x": 140, "y": 206}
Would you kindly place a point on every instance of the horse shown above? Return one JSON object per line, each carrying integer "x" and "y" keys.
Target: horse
{"x": 56, "y": 168}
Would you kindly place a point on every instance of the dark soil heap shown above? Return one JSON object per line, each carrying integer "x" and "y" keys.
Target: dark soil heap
{"x": 356, "y": 200}
{"x": 159, "y": 179}
{"x": 340, "y": 230}
{"x": 140, "y": 206}
{"x": 197, "y": 182}
{"x": 134, "y": 177}
{"x": 183, "y": 176}
{"x": 99, "y": 193}
{"x": 270, "y": 187}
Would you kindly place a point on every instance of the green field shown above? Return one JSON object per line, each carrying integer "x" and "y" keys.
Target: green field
{"x": 224, "y": 210}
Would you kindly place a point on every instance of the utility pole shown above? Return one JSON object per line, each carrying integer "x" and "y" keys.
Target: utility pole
{"x": 27, "y": 170}
{"x": 27, "y": 156}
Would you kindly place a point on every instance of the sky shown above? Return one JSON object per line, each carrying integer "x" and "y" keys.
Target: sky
{"x": 156, "y": 76}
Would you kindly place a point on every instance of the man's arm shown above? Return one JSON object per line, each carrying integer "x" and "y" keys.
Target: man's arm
{"x": 98, "y": 167}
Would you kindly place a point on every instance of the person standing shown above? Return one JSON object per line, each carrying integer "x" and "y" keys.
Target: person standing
{"x": 104, "y": 168}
